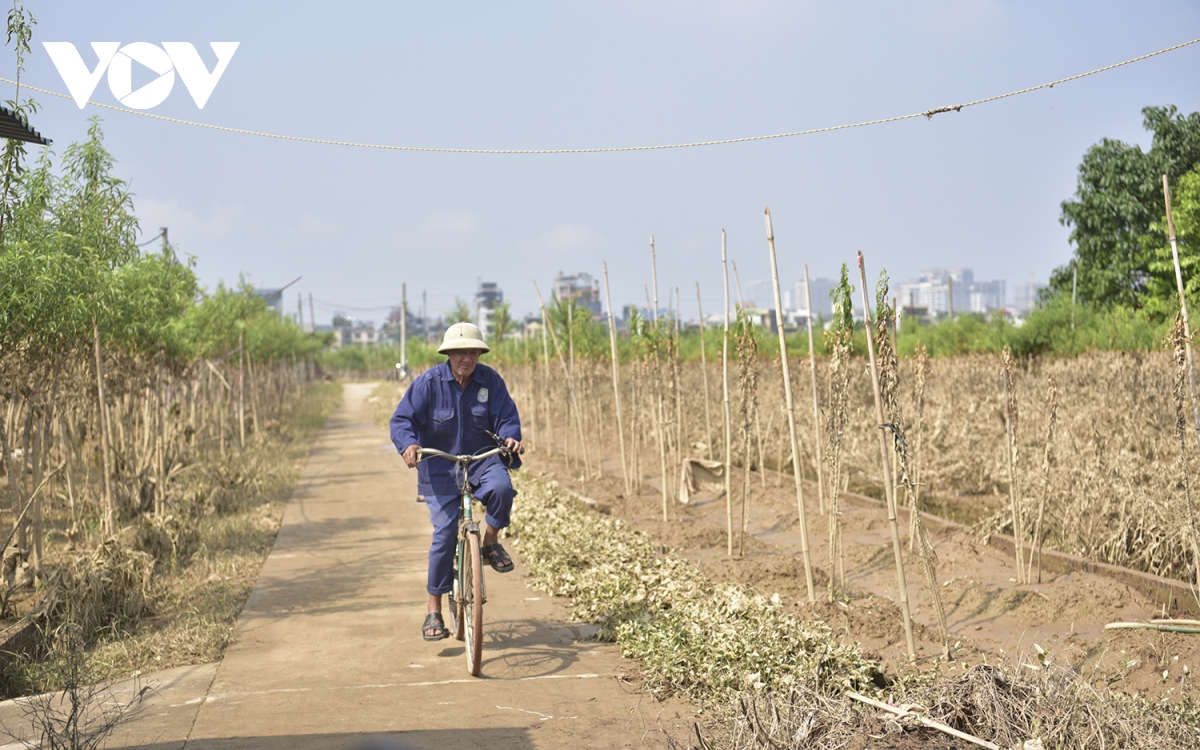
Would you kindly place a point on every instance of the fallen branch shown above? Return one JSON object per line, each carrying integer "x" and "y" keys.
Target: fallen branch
{"x": 900, "y": 711}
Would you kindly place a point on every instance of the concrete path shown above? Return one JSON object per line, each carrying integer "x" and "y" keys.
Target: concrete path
{"x": 327, "y": 652}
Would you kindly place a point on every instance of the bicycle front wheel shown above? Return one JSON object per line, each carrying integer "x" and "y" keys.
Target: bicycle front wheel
{"x": 472, "y": 611}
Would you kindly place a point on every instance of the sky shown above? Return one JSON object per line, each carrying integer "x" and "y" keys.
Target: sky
{"x": 979, "y": 188}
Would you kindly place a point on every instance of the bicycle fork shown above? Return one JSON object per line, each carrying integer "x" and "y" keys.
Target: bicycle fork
{"x": 466, "y": 525}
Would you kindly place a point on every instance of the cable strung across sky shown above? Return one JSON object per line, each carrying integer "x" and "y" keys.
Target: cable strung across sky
{"x": 929, "y": 113}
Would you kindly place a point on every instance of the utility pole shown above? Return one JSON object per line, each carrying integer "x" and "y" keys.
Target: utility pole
{"x": 300, "y": 310}
{"x": 312, "y": 316}
{"x": 403, "y": 327}
{"x": 1074, "y": 289}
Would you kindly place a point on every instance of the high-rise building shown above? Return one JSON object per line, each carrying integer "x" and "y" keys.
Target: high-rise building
{"x": 822, "y": 303}
{"x": 938, "y": 290}
{"x": 1025, "y": 295}
{"x": 487, "y": 297}
{"x": 580, "y": 287}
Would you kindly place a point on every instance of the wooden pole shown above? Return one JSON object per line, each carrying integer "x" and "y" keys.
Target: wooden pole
{"x": 725, "y": 399}
{"x": 571, "y": 363}
{"x": 109, "y": 511}
{"x": 675, "y": 379}
{"x": 812, "y": 364}
{"x": 570, "y": 382}
{"x": 241, "y": 392}
{"x": 654, "y": 281}
{"x": 658, "y": 386}
{"x": 404, "y": 327}
{"x": 704, "y": 370}
{"x": 791, "y": 413}
{"x": 616, "y": 377}
{"x": 1182, "y": 305}
{"x": 546, "y": 376}
{"x": 889, "y": 490}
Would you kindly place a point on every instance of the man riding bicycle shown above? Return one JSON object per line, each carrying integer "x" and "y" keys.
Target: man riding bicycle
{"x": 453, "y": 407}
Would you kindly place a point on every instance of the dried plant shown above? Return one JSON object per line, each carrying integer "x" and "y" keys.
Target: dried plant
{"x": 1010, "y": 423}
{"x": 1178, "y": 344}
{"x": 747, "y": 352}
{"x": 838, "y": 342}
{"x": 1051, "y": 423}
{"x": 889, "y": 389}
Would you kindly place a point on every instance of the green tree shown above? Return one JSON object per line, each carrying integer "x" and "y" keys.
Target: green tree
{"x": 460, "y": 313}
{"x": 502, "y": 322}
{"x": 1161, "y": 287}
{"x": 1118, "y": 198}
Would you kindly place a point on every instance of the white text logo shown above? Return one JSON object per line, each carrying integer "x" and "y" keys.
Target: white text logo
{"x": 164, "y": 61}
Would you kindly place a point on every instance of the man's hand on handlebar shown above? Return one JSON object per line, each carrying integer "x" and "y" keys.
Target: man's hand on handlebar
{"x": 411, "y": 455}
{"x": 514, "y": 446}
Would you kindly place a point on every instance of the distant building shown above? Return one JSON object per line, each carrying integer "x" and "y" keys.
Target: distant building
{"x": 580, "y": 287}
{"x": 987, "y": 296}
{"x": 273, "y": 297}
{"x": 364, "y": 335}
{"x": 942, "y": 290}
{"x": 487, "y": 298}
{"x": 822, "y": 303}
{"x": 1025, "y": 296}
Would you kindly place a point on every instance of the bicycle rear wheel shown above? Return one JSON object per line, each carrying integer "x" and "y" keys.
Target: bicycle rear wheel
{"x": 472, "y": 603}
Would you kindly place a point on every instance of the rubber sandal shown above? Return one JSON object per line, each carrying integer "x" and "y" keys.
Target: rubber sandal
{"x": 434, "y": 622}
{"x": 495, "y": 554}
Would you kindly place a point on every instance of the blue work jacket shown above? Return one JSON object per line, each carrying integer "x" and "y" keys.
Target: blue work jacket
{"x": 436, "y": 413}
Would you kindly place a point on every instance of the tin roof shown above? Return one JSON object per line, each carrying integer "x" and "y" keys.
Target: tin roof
{"x": 14, "y": 128}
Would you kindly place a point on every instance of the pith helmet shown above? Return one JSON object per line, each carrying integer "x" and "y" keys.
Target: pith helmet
{"x": 462, "y": 336}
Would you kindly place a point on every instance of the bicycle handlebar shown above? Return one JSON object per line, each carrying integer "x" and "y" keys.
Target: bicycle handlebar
{"x": 465, "y": 459}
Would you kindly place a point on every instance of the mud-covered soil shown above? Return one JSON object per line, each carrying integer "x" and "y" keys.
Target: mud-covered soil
{"x": 989, "y": 617}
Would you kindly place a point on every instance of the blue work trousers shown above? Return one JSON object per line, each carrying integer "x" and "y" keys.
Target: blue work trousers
{"x": 495, "y": 492}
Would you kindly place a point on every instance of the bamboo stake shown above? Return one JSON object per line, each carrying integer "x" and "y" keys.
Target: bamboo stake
{"x": 654, "y": 281}
{"x": 675, "y": 381}
{"x": 571, "y": 365}
{"x": 725, "y": 399}
{"x": 658, "y": 387}
{"x": 612, "y": 338}
{"x": 546, "y": 386}
{"x": 1051, "y": 420}
{"x": 704, "y": 370}
{"x": 812, "y": 363}
{"x": 241, "y": 405}
{"x": 889, "y": 489}
{"x": 570, "y": 383}
{"x": 1010, "y": 425}
{"x": 105, "y": 447}
{"x": 1182, "y": 306}
{"x": 791, "y": 414}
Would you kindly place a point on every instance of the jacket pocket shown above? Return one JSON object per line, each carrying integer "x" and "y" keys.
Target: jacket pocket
{"x": 441, "y": 423}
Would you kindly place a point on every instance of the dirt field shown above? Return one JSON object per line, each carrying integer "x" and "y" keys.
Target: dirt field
{"x": 990, "y": 617}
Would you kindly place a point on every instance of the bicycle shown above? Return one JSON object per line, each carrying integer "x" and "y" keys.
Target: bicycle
{"x": 468, "y": 594}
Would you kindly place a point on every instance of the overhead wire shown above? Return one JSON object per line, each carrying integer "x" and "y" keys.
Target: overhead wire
{"x": 928, "y": 114}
